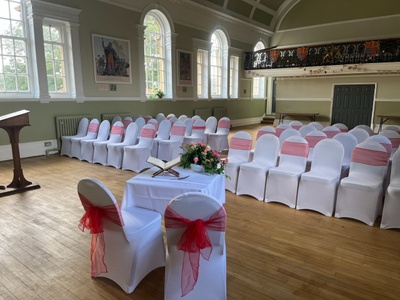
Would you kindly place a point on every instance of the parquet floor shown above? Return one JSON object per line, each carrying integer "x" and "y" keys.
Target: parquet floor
{"x": 273, "y": 252}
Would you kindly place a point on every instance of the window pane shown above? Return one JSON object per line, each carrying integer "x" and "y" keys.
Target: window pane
{"x": 46, "y": 33}
{"x": 20, "y": 47}
{"x": 4, "y": 10}
{"x": 23, "y": 83}
{"x": 59, "y": 68}
{"x": 49, "y": 67}
{"x": 60, "y": 85}
{"x": 15, "y": 10}
{"x": 9, "y": 64}
{"x": 11, "y": 83}
{"x": 48, "y": 51}
{"x": 21, "y": 65}
{"x": 55, "y": 34}
{"x": 57, "y": 52}
{"x": 17, "y": 29}
{"x": 7, "y": 47}
{"x": 2, "y": 84}
{"x": 51, "y": 84}
{"x": 5, "y": 27}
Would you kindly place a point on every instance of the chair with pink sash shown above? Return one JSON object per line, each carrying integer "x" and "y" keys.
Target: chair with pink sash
{"x": 281, "y": 128}
{"x": 253, "y": 175}
{"x": 100, "y": 151}
{"x": 182, "y": 118}
{"x": 317, "y": 188}
{"x": 349, "y": 142}
{"x": 87, "y": 146}
{"x": 360, "y": 134}
{"x": 385, "y": 142}
{"x": 261, "y": 132}
{"x": 115, "y": 119}
{"x": 211, "y": 127}
{"x": 317, "y": 125}
{"x": 91, "y": 134}
{"x": 330, "y": 131}
{"x": 219, "y": 140}
{"x": 283, "y": 181}
{"x": 171, "y": 149}
{"x": 195, "y": 266}
{"x": 394, "y": 138}
{"x": 126, "y": 121}
{"x": 126, "y": 244}
{"x": 135, "y": 157}
{"x": 341, "y": 126}
{"x": 392, "y": 127}
{"x": 160, "y": 117}
{"x": 173, "y": 120}
{"x": 306, "y": 129}
{"x": 366, "y": 128}
{"x": 66, "y": 140}
{"x": 312, "y": 139}
{"x": 295, "y": 124}
{"x": 239, "y": 153}
{"x": 391, "y": 207}
{"x": 147, "y": 118}
{"x": 115, "y": 151}
{"x": 360, "y": 194}
{"x": 287, "y": 133}
{"x": 170, "y": 116}
{"x": 198, "y": 128}
{"x": 189, "y": 126}
{"x": 140, "y": 122}
{"x": 163, "y": 132}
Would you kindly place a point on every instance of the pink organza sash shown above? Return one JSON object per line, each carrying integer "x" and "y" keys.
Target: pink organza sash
{"x": 193, "y": 242}
{"x": 126, "y": 123}
{"x": 148, "y": 133}
{"x": 388, "y": 148}
{"x": 369, "y": 157}
{"x": 395, "y": 142}
{"x": 278, "y": 131}
{"x": 261, "y": 133}
{"x": 146, "y": 119}
{"x": 224, "y": 124}
{"x": 93, "y": 219}
{"x": 240, "y": 144}
{"x": 178, "y": 130}
{"x": 199, "y": 128}
{"x": 313, "y": 140}
{"x": 93, "y": 127}
{"x": 344, "y": 129}
{"x": 330, "y": 133}
{"x": 294, "y": 148}
{"x": 117, "y": 130}
{"x": 297, "y": 127}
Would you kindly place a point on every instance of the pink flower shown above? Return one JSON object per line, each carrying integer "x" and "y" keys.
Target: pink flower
{"x": 196, "y": 159}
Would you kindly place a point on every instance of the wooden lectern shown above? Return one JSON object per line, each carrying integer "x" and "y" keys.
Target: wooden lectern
{"x": 13, "y": 123}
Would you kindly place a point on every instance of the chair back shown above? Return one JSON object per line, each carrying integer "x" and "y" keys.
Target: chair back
{"x": 196, "y": 117}
{"x": 154, "y": 123}
{"x": 341, "y": 126}
{"x": 392, "y": 127}
{"x": 199, "y": 126}
{"x": 306, "y": 129}
{"x": 224, "y": 125}
{"x": 394, "y": 137}
{"x": 349, "y": 142}
{"x": 126, "y": 121}
{"x": 82, "y": 127}
{"x": 280, "y": 128}
{"x": 383, "y": 140}
{"x": 104, "y": 131}
{"x": 160, "y": 118}
{"x": 147, "y": 118}
{"x": 295, "y": 124}
{"x": 239, "y": 147}
{"x": 177, "y": 131}
{"x": 365, "y": 127}
{"x": 170, "y": 116}
{"x": 294, "y": 153}
{"x": 164, "y": 129}
{"x": 160, "y": 115}
{"x": 93, "y": 129}
{"x": 266, "y": 150}
{"x": 131, "y": 134}
{"x": 312, "y": 139}
{"x": 360, "y": 134}
{"x": 328, "y": 156}
{"x": 395, "y": 171}
{"x": 287, "y": 133}
{"x": 317, "y": 125}
{"x": 189, "y": 125}
{"x": 135, "y": 117}
{"x": 147, "y": 135}
{"x": 115, "y": 119}
{"x": 117, "y": 132}
{"x": 182, "y": 117}
{"x": 330, "y": 131}
{"x": 173, "y": 120}
{"x": 211, "y": 124}
{"x": 140, "y": 122}
{"x": 265, "y": 130}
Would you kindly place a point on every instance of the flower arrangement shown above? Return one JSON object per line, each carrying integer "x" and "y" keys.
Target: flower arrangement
{"x": 202, "y": 154}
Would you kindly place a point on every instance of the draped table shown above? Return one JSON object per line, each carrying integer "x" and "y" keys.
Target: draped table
{"x": 155, "y": 193}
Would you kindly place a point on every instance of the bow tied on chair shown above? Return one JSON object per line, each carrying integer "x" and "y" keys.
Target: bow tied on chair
{"x": 92, "y": 219}
{"x": 193, "y": 242}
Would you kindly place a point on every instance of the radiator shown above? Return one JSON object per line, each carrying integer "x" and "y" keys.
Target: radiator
{"x": 67, "y": 125}
{"x": 110, "y": 116}
{"x": 220, "y": 112}
{"x": 204, "y": 113}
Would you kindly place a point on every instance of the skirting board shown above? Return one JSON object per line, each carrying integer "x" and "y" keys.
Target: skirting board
{"x": 28, "y": 149}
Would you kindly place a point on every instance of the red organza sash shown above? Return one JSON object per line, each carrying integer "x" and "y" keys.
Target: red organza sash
{"x": 294, "y": 148}
{"x": 344, "y": 129}
{"x": 240, "y": 144}
{"x": 297, "y": 127}
{"x": 93, "y": 127}
{"x": 330, "y": 133}
{"x": 313, "y": 140}
{"x": 262, "y": 132}
{"x": 395, "y": 142}
{"x": 155, "y": 124}
{"x": 194, "y": 241}
{"x": 146, "y": 119}
{"x": 147, "y": 133}
{"x": 92, "y": 219}
{"x": 224, "y": 124}
{"x": 117, "y": 130}
{"x": 199, "y": 128}
{"x": 388, "y": 148}
{"x": 278, "y": 131}
{"x": 369, "y": 157}
{"x": 126, "y": 123}
{"x": 178, "y": 130}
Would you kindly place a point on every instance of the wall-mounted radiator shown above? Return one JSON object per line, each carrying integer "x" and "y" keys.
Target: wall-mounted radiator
{"x": 204, "y": 113}
{"x": 67, "y": 125}
{"x": 220, "y": 112}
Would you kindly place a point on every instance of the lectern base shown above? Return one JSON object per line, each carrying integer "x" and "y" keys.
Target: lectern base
{"x": 9, "y": 190}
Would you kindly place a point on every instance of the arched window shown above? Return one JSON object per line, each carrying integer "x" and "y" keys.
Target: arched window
{"x": 157, "y": 54}
{"x": 219, "y": 65}
{"x": 259, "y": 82}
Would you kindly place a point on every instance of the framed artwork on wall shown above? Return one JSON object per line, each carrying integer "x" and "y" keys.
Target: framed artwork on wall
{"x": 111, "y": 58}
{"x": 185, "y": 68}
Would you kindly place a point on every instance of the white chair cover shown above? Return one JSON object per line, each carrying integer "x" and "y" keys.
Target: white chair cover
{"x": 196, "y": 117}
{"x": 392, "y": 127}
{"x": 173, "y": 120}
{"x": 115, "y": 151}
{"x": 211, "y": 127}
{"x": 135, "y": 157}
{"x": 317, "y": 188}
{"x": 147, "y": 118}
{"x": 312, "y": 138}
{"x": 341, "y": 126}
{"x": 261, "y": 132}
{"x": 135, "y": 117}
{"x": 287, "y": 133}
{"x": 140, "y": 122}
{"x": 116, "y": 119}
{"x": 365, "y": 127}
{"x": 171, "y": 149}
{"x": 349, "y": 142}
{"x": 131, "y": 242}
{"x": 391, "y": 207}
{"x": 198, "y": 128}
{"x": 163, "y": 134}
{"x": 282, "y": 181}
{"x": 317, "y": 125}
{"x": 126, "y": 121}
{"x": 66, "y": 140}
{"x": 295, "y": 124}
{"x": 154, "y": 123}
{"x": 385, "y": 142}
{"x": 204, "y": 277}
{"x": 170, "y": 116}
{"x": 219, "y": 140}
{"x": 331, "y": 131}
{"x": 91, "y": 134}
{"x": 306, "y": 129}
{"x": 160, "y": 118}
{"x": 100, "y": 151}
{"x": 239, "y": 153}
{"x": 87, "y": 146}
{"x": 360, "y": 194}
{"x": 280, "y": 128}
{"x": 182, "y": 118}
{"x": 189, "y": 125}
{"x": 360, "y": 134}
{"x": 253, "y": 175}
{"x": 394, "y": 137}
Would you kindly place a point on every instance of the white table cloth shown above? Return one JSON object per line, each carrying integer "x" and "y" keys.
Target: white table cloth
{"x": 155, "y": 193}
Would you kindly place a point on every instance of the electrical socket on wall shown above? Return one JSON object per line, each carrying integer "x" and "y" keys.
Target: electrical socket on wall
{"x": 47, "y": 144}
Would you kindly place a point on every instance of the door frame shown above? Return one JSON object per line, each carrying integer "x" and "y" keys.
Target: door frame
{"x": 375, "y": 84}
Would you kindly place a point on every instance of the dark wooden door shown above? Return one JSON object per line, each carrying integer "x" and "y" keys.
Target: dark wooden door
{"x": 353, "y": 104}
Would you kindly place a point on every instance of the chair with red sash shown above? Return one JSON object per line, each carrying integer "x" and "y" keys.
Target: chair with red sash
{"x": 219, "y": 140}
{"x": 317, "y": 125}
{"x": 263, "y": 130}
{"x": 306, "y": 129}
{"x": 135, "y": 157}
{"x": 91, "y": 134}
{"x": 239, "y": 153}
{"x": 281, "y": 128}
{"x": 392, "y": 127}
{"x": 198, "y": 128}
{"x": 360, "y": 194}
{"x": 295, "y": 124}
{"x": 66, "y": 140}
{"x": 330, "y": 131}
{"x": 195, "y": 266}
{"x": 100, "y": 148}
{"x": 126, "y": 244}
{"x": 171, "y": 149}
{"x": 394, "y": 137}
{"x": 341, "y": 126}
{"x": 283, "y": 181}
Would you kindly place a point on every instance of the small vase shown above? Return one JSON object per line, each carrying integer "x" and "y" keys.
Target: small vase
{"x": 197, "y": 168}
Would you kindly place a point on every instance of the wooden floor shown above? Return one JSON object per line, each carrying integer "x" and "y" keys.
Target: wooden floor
{"x": 273, "y": 252}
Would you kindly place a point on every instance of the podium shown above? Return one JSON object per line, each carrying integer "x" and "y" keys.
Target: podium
{"x": 13, "y": 123}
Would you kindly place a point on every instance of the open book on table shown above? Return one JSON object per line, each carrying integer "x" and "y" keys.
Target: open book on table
{"x": 164, "y": 166}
